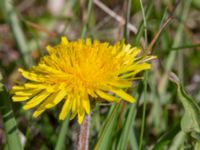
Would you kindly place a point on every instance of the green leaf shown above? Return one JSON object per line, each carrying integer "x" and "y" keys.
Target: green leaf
{"x": 196, "y": 3}
{"x": 190, "y": 121}
{"x": 11, "y": 131}
{"x": 197, "y": 146}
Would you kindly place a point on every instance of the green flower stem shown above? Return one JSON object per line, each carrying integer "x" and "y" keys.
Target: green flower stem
{"x": 61, "y": 139}
{"x": 10, "y": 127}
{"x": 83, "y": 139}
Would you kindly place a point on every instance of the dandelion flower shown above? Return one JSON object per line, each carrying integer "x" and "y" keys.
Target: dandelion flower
{"x": 77, "y": 73}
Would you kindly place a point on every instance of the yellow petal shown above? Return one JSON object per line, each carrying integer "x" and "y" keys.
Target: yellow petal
{"x": 91, "y": 93}
{"x": 59, "y": 97}
{"x": 86, "y": 105}
{"x": 74, "y": 105}
{"x": 137, "y": 66}
{"x": 53, "y": 100}
{"x": 120, "y": 83}
{"x": 85, "y": 102}
{"x": 42, "y": 107}
{"x": 73, "y": 115}
{"x": 22, "y": 93}
{"x": 64, "y": 40}
{"x": 80, "y": 117}
{"x": 78, "y": 103}
{"x": 136, "y": 70}
{"x": 50, "y": 49}
{"x": 147, "y": 58}
{"x": 38, "y": 112}
{"x": 88, "y": 42}
{"x": 31, "y": 76}
{"x": 36, "y": 100}
{"x": 124, "y": 95}
{"x": 106, "y": 96}
{"x": 16, "y": 88}
{"x": 65, "y": 109}
{"x": 135, "y": 51}
{"x": 34, "y": 85}
{"x": 27, "y": 92}
{"x": 20, "y": 98}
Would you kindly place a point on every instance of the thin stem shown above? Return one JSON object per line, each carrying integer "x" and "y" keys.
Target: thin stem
{"x": 167, "y": 21}
{"x": 128, "y": 13}
{"x": 85, "y": 27}
{"x": 181, "y": 66}
{"x": 114, "y": 15}
{"x": 145, "y": 23}
{"x": 84, "y": 134}
{"x": 141, "y": 26}
{"x": 83, "y": 138}
{"x": 145, "y": 80}
{"x": 144, "y": 111}
{"x": 63, "y": 131}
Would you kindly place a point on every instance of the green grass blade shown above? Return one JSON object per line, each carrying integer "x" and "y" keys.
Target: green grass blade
{"x": 141, "y": 27}
{"x": 11, "y": 131}
{"x": 145, "y": 23}
{"x": 61, "y": 138}
{"x": 177, "y": 41}
{"x": 126, "y": 30}
{"x": 125, "y": 136}
{"x": 105, "y": 136}
{"x": 182, "y": 47}
{"x": 12, "y": 18}
{"x": 85, "y": 27}
{"x": 145, "y": 79}
{"x": 144, "y": 111}
{"x": 133, "y": 140}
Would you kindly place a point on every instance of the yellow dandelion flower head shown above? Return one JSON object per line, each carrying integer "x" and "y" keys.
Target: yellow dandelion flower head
{"x": 76, "y": 73}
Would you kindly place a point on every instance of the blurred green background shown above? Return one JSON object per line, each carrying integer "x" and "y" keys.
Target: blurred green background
{"x": 28, "y": 26}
